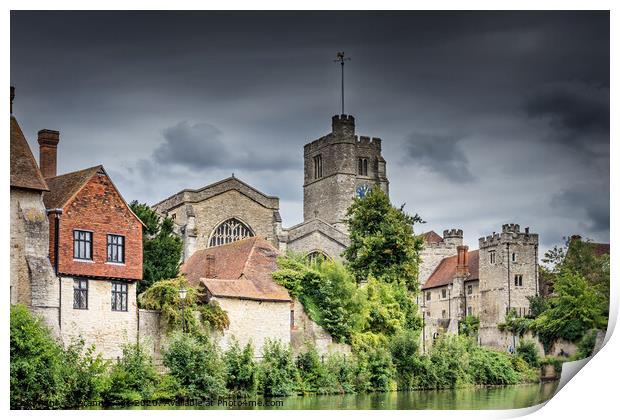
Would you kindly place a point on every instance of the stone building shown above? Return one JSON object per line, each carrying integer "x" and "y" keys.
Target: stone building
{"x": 32, "y": 281}
{"x": 238, "y": 276}
{"x": 337, "y": 167}
{"x": 486, "y": 283}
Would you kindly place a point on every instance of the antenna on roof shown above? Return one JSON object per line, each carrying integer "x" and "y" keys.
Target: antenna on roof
{"x": 340, "y": 58}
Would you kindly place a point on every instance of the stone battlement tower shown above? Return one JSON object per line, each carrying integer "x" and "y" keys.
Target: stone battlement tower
{"x": 337, "y": 168}
{"x": 508, "y": 276}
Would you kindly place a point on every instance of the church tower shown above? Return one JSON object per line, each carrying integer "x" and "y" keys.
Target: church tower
{"x": 339, "y": 167}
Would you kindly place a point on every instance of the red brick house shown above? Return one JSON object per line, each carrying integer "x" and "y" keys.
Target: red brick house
{"x": 96, "y": 250}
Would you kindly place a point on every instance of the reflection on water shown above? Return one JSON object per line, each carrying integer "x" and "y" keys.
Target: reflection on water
{"x": 516, "y": 396}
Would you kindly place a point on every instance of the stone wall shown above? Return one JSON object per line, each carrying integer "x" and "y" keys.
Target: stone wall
{"x": 306, "y": 331}
{"x": 108, "y": 330}
{"x": 432, "y": 254}
{"x": 255, "y": 321}
{"x": 32, "y": 278}
{"x": 315, "y": 235}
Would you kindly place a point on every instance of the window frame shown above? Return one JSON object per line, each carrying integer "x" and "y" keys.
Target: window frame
{"x": 428, "y": 296}
{"x": 124, "y": 291}
{"x": 362, "y": 166}
{"x": 470, "y": 289}
{"x": 513, "y": 257}
{"x": 318, "y": 166}
{"x": 444, "y": 293}
{"x": 518, "y": 280}
{"x": 470, "y": 311}
{"x": 83, "y": 299}
{"x": 492, "y": 257}
{"x": 78, "y": 240}
{"x": 117, "y": 245}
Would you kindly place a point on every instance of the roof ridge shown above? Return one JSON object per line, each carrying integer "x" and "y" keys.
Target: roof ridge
{"x": 92, "y": 168}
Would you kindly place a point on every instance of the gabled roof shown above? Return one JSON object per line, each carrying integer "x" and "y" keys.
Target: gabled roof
{"x": 431, "y": 237}
{"x": 25, "y": 172}
{"x": 219, "y": 187}
{"x": 446, "y": 271}
{"x": 241, "y": 269}
{"x": 63, "y": 188}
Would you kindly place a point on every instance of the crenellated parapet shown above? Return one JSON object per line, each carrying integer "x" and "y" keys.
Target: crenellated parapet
{"x": 511, "y": 233}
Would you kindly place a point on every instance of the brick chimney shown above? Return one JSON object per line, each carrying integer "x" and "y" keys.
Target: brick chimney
{"x": 12, "y": 97}
{"x": 462, "y": 261}
{"x": 48, "y": 142}
{"x": 210, "y": 266}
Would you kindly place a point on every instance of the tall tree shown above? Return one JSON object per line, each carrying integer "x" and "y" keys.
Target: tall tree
{"x": 383, "y": 244}
{"x": 161, "y": 247}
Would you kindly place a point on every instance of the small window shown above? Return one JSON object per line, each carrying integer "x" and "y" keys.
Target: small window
{"x": 470, "y": 289}
{"x": 173, "y": 216}
{"x": 443, "y": 293}
{"x": 82, "y": 245}
{"x": 362, "y": 166}
{"x": 443, "y": 313}
{"x": 318, "y": 167}
{"x": 428, "y": 295}
{"x": 514, "y": 257}
{"x": 80, "y": 294}
{"x": 292, "y": 318}
{"x": 428, "y": 314}
{"x": 119, "y": 296}
{"x": 492, "y": 257}
{"x": 116, "y": 248}
{"x": 519, "y": 280}
{"x": 470, "y": 311}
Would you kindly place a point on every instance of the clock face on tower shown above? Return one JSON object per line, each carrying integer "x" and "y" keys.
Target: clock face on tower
{"x": 362, "y": 190}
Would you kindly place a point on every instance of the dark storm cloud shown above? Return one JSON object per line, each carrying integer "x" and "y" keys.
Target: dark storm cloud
{"x": 573, "y": 107}
{"x": 173, "y": 100}
{"x": 441, "y": 154}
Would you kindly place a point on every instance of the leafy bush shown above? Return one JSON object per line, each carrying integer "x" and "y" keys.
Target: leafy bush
{"x": 528, "y": 351}
{"x": 242, "y": 371}
{"x": 344, "y": 368}
{"x": 585, "y": 347}
{"x": 196, "y": 364}
{"x": 469, "y": 326}
{"x": 490, "y": 367}
{"x": 278, "y": 375}
{"x": 85, "y": 374}
{"x": 404, "y": 348}
{"x": 36, "y": 364}
{"x": 132, "y": 379}
{"x": 449, "y": 357}
{"x": 164, "y": 296}
{"x": 315, "y": 377}
{"x": 378, "y": 363}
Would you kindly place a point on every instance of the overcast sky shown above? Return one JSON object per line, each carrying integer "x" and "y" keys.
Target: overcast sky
{"x": 486, "y": 118}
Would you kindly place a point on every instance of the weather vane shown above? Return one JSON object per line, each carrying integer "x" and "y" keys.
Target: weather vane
{"x": 340, "y": 58}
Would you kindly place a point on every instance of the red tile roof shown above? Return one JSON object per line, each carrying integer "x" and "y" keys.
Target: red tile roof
{"x": 431, "y": 237}
{"x": 241, "y": 269}
{"x": 25, "y": 172}
{"x": 446, "y": 270}
{"x": 64, "y": 187}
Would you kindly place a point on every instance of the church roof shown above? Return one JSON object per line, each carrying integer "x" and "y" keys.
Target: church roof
{"x": 241, "y": 269}
{"x": 25, "y": 172}
{"x": 431, "y": 237}
{"x": 219, "y": 187}
{"x": 446, "y": 271}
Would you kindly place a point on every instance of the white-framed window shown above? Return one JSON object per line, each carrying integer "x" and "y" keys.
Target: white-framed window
{"x": 492, "y": 257}
{"x": 518, "y": 280}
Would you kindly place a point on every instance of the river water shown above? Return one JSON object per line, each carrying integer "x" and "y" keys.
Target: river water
{"x": 505, "y": 397}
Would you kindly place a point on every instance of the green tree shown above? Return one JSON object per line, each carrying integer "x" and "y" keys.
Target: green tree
{"x": 36, "y": 364}
{"x": 383, "y": 244}
{"x": 162, "y": 249}
{"x": 278, "y": 374}
{"x": 575, "y": 308}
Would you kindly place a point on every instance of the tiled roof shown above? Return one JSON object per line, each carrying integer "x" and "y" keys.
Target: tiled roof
{"x": 241, "y": 269}
{"x": 63, "y": 187}
{"x": 25, "y": 172}
{"x": 431, "y": 237}
{"x": 446, "y": 270}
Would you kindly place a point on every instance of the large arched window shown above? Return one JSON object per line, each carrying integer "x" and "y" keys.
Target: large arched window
{"x": 316, "y": 256}
{"x": 229, "y": 231}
